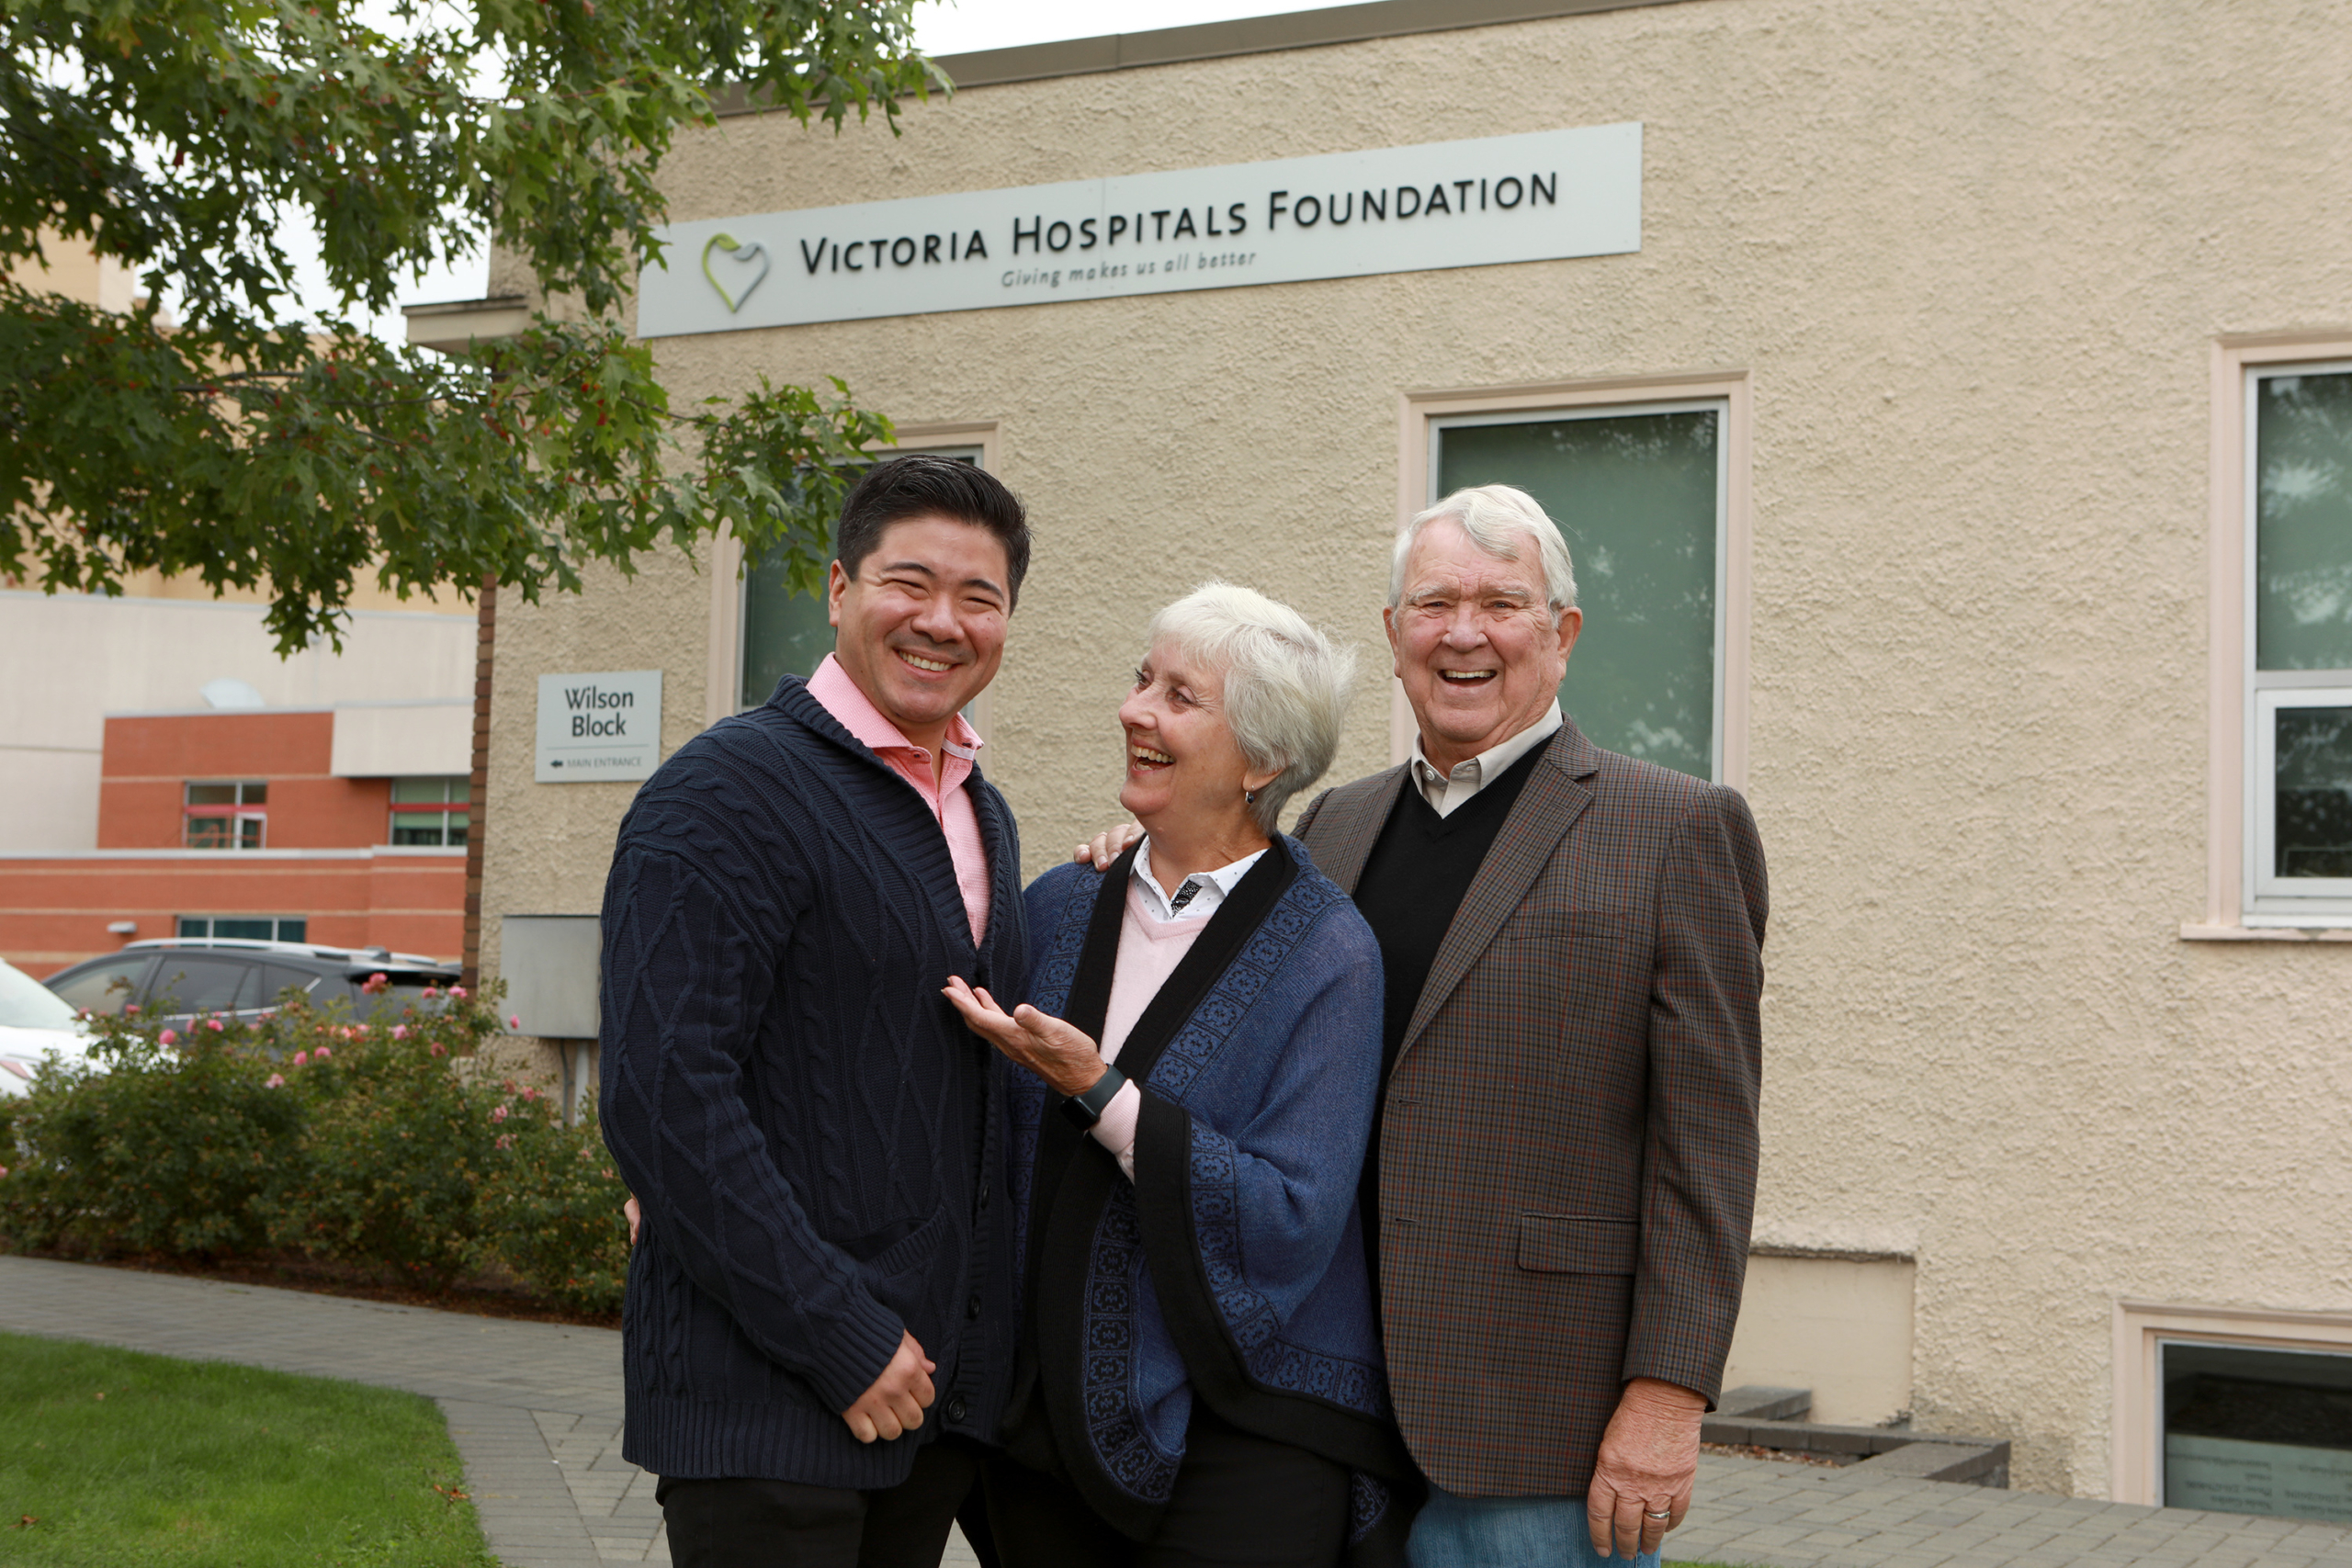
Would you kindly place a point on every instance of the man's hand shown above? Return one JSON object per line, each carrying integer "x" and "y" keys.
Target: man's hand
{"x": 1649, "y": 1457}
{"x": 1108, "y": 845}
{"x": 894, "y": 1405}
{"x": 635, "y": 1216}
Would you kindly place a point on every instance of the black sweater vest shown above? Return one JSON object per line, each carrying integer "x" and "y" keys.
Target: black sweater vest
{"x": 1415, "y": 879}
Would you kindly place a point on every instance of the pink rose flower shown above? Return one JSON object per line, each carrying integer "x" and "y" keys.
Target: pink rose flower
{"x": 497, "y": 1115}
{"x": 505, "y": 1141}
{"x": 131, "y": 1009}
{"x": 430, "y": 992}
{"x": 214, "y": 1024}
{"x": 399, "y": 1032}
{"x": 530, "y": 1094}
{"x": 513, "y": 1020}
{"x": 375, "y": 985}
{"x": 275, "y": 1080}
{"x": 458, "y": 992}
{"x": 168, "y": 1038}
{"x": 322, "y": 1052}
{"x": 439, "y": 1049}
{"x": 302, "y": 1059}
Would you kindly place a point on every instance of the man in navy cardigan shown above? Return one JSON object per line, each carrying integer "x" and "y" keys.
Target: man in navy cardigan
{"x": 819, "y": 1326}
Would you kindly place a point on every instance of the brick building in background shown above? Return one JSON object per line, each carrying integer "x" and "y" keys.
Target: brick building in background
{"x": 164, "y": 772}
{"x": 344, "y": 826}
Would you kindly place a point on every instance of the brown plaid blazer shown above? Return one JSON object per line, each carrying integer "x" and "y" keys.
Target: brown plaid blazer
{"x": 1569, "y": 1157}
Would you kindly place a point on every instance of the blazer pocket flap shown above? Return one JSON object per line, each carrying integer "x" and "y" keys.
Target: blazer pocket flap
{"x": 1559, "y": 1243}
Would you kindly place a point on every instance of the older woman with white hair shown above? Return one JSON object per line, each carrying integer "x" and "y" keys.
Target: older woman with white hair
{"x": 1200, "y": 1378}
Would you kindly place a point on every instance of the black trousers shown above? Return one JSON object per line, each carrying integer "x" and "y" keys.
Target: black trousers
{"x": 782, "y": 1524}
{"x": 1241, "y": 1501}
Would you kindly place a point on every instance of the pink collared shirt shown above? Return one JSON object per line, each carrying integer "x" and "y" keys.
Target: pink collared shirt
{"x": 944, "y": 792}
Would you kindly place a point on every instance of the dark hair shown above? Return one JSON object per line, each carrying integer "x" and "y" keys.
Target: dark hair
{"x": 921, "y": 484}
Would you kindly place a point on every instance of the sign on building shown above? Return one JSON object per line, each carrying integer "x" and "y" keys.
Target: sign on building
{"x": 598, "y": 727}
{"x": 1536, "y": 197}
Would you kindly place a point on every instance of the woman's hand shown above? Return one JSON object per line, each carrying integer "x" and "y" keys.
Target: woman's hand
{"x": 1061, "y": 1055}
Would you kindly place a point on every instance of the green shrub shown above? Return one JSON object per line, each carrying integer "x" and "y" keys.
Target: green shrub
{"x": 554, "y": 1206}
{"x": 163, "y": 1145}
{"x": 395, "y": 1147}
{"x": 350, "y": 1141}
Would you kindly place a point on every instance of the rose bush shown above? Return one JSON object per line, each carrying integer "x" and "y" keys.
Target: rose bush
{"x": 369, "y": 1143}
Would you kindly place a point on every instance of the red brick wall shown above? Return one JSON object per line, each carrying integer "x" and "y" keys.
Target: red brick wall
{"x": 54, "y": 911}
{"x": 149, "y": 761}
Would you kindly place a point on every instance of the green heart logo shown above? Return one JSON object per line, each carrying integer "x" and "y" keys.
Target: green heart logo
{"x": 751, "y": 264}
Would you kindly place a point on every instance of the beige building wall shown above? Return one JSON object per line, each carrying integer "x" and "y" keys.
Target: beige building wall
{"x": 1971, "y": 263}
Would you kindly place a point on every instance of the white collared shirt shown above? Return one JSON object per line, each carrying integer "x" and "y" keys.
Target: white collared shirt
{"x": 1448, "y": 792}
{"x": 1209, "y": 888}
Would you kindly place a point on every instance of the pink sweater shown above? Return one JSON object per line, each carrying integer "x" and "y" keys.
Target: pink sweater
{"x": 1149, "y": 951}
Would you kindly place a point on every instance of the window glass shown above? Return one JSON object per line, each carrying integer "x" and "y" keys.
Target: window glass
{"x": 2256, "y": 1432}
{"x": 196, "y": 983}
{"x": 102, "y": 987}
{"x": 429, "y": 827}
{"x": 244, "y": 928}
{"x": 436, "y": 790}
{"x": 237, "y": 825}
{"x": 2303, "y": 522}
{"x": 1638, "y": 497}
{"x": 2313, "y": 833}
{"x": 26, "y": 1003}
{"x": 277, "y": 978}
{"x": 783, "y": 632}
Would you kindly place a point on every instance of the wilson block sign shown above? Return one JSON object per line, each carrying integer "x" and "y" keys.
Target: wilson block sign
{"x": 1538, "y": 197}
{"x": 598, "y": 727}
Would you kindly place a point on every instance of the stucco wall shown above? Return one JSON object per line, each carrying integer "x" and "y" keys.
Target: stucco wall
{"x": 1974, "y": 258}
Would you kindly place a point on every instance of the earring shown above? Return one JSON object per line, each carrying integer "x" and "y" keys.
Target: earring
{"x": 1250, "y": 796}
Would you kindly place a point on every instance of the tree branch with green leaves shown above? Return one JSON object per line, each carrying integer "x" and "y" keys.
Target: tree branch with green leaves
{"x": 177, "y": 137}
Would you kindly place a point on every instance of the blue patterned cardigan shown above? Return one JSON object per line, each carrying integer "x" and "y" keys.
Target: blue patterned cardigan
{"x": 1232, "y": 1269}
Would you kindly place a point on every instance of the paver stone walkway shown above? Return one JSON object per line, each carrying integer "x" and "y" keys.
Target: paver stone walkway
{"x": 536, "y": 1410}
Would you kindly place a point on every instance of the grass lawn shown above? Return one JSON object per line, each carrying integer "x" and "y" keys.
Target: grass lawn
{"x": 111, "y": 1458}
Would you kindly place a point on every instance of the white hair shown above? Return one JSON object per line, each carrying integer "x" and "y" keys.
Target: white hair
{"x": 1496, "y": 517}
{"x": 1286, "y": 685}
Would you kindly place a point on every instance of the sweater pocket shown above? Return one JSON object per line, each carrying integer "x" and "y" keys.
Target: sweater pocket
{"x": 904, "y": 1256}
{"x": 1564, "y": 1244}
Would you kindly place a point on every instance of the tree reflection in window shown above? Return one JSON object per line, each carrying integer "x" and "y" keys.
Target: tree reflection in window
{"x": 2315, "y": 832}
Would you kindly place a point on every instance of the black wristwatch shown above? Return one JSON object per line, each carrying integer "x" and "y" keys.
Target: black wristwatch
{"x": 1085, "y": 1110}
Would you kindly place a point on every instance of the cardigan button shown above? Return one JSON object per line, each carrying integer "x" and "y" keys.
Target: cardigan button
{"x": 955, "y": 1409}
{"x": 972, "y": 1307}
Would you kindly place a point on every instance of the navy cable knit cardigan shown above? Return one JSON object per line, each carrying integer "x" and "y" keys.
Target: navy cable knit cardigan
{"x": 813, "y": 1133}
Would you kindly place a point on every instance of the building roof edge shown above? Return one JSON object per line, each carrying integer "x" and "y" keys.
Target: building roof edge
{"x": 1242, "y": 35}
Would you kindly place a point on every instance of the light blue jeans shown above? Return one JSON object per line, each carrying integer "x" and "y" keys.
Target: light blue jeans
{"x": 1506, "y": 1532}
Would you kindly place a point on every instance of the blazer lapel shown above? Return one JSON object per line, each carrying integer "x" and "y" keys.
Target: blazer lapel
{"x": 1546, "y": 808}
{"x": 1346, "y": 834}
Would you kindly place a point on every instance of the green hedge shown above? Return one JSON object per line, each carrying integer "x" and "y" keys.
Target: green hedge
{"x": 349, "y": 1141}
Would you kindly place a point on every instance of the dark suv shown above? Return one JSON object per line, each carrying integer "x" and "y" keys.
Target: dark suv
{"x": 174, "y": 978}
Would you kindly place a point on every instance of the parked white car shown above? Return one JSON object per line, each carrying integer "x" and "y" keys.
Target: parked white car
{"x": 34, "y": 1021}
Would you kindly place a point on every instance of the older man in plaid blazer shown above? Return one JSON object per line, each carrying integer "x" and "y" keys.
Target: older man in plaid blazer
{"x": 1563, "y": 1177}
